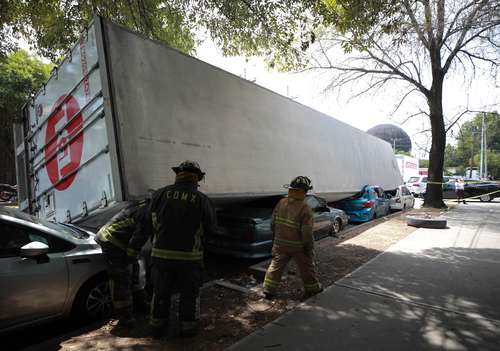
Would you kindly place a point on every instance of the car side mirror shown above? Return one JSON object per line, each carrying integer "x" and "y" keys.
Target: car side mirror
{"x": 34, "y": 249}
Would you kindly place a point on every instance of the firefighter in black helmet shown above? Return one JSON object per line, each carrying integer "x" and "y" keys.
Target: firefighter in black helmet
{"x": 179, "y": 216}
{"x": 292, "y": 224}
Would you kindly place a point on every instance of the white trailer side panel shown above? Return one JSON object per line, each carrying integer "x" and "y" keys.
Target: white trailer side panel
{"x": 69, "y": 167}
{"x": 408, "y": 166}
{"x": 249, "y": 140}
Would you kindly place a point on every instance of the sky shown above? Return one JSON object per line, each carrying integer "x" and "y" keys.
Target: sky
{"x": 482, "y": 93}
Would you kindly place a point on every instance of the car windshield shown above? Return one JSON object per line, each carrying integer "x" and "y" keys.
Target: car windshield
{"x": 392, "y": 193}
{"x": 413, "y": 179}
{"x": 424, "y": 179}
{"x": 76, "y": 232}
{"x": 362, "y": 193}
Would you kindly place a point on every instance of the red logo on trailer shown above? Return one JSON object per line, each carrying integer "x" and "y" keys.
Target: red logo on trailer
{"x": 64, "y": 142}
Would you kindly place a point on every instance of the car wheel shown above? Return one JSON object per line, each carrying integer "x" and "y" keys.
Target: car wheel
{"x": 485, "y": 198}
{"x": 93, "y": 301}
{"x": 336, "y": 226}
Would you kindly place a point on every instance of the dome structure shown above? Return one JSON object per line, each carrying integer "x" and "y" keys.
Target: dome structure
{"x": 394, "y": 135}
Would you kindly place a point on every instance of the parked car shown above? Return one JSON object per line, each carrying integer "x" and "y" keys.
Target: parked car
{"x": 49, "y": 271}
{"x": 246, "y": 230}
{"x": 484, "y": 190}
{"x": 371, "y": 202}
{"x": 400, "y": 198}
{"x": 417, "y": 185}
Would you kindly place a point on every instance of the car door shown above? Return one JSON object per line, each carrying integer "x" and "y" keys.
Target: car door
{"x": 408, "y": 199}
{"x": 321, "y": 213}
{"x": 383, "y": 202}
{"x": 32, "y": 288}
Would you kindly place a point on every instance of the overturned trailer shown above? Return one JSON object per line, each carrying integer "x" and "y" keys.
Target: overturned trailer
{"x": 121, "y": 110}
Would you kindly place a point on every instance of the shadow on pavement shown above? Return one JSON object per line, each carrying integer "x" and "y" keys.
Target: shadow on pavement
{"x": 438, "y": 299}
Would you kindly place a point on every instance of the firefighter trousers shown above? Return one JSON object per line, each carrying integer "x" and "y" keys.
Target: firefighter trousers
{"x": 167, "y": 278}
{"x": 304, "y": 262}
{"x": 122, "y": 276}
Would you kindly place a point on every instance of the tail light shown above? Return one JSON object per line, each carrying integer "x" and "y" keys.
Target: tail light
{"x": 367, "y": 204}
{"x": 398, "y": 200}
{"x": 416, "y": 184}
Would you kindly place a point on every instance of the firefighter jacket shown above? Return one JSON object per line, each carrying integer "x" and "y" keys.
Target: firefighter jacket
{"x": 122, "y": 226}
{"x": 292, "y": 223}
{"x": 178, "y": 217}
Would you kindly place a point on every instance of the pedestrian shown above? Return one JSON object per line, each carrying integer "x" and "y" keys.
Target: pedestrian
{"x": 291, "y": 224}
{"x": 460, "y": 190}
{"x": 124, "y": 270}
{"x": 179, "y": 217}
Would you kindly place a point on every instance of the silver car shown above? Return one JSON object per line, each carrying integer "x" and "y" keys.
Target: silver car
{"x": 49, "y": 271}
{"x": 401, "y": 198}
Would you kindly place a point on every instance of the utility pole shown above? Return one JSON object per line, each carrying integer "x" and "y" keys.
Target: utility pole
{"x": 481, "y": 152}
{"x": 485, "y": 158}
{"x": 473, "y": 133}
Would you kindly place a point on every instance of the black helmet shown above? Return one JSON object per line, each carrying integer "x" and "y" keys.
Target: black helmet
{"x": 301, "y": 182}
{"x": 189, "y": 166}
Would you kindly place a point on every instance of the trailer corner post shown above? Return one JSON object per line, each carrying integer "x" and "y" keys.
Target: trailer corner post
{"x": 111, "y": 121}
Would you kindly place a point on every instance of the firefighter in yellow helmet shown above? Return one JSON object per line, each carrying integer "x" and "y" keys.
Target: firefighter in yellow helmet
{"x": 291, "y": 225}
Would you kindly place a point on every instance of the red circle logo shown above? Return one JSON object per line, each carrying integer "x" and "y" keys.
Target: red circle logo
{"x": 64, "y": 142}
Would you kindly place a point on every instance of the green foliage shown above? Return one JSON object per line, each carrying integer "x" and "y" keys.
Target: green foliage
{"x": 424, "y": 163}
{"x": 51, "y": 26}
{"x": 357, "y": 19}
{"x": 468, "y": 142}
{"x": 280, "y": 31}
{"x": 20, "y": 74}
{"x": 7, "y": 13}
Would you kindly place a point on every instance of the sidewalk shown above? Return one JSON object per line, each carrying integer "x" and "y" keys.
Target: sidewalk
{"x": 434, "y": 290}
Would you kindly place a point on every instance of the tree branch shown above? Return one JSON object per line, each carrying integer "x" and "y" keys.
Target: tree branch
{"x": 461, "y": 41}
{"x": 415, "y": 24}
{"x": 395, "y": 71}
{"x": 440, "y": 21}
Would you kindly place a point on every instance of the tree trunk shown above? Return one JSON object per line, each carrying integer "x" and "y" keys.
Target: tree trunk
{"x": 434, "y": 192}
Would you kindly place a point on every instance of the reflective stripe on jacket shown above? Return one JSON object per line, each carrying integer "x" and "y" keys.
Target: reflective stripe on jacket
{"x": 291, "y": 224}
{"x": 177, "y": 219}
{"x": 122, "y": 226}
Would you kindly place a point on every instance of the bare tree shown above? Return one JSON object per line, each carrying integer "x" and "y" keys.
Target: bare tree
{"x": 417, "y": 45}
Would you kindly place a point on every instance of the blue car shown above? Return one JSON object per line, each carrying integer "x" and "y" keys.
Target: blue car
{"x": 371, "y": 202}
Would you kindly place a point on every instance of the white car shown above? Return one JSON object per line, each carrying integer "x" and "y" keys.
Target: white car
{"x": 417, "y": 185}
{"x": 49, "y": 271}
{"x": 401, "y": 198}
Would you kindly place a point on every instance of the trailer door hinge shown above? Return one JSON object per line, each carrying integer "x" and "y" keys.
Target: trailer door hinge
{"x": 104, "y": 199}
{"x": 85, "y": 210}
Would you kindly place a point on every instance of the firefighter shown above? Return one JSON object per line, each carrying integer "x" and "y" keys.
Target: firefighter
{"x": 179, "y": 216}
{"x": 114, "y": 237}
{"x": 291, "y": 224}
